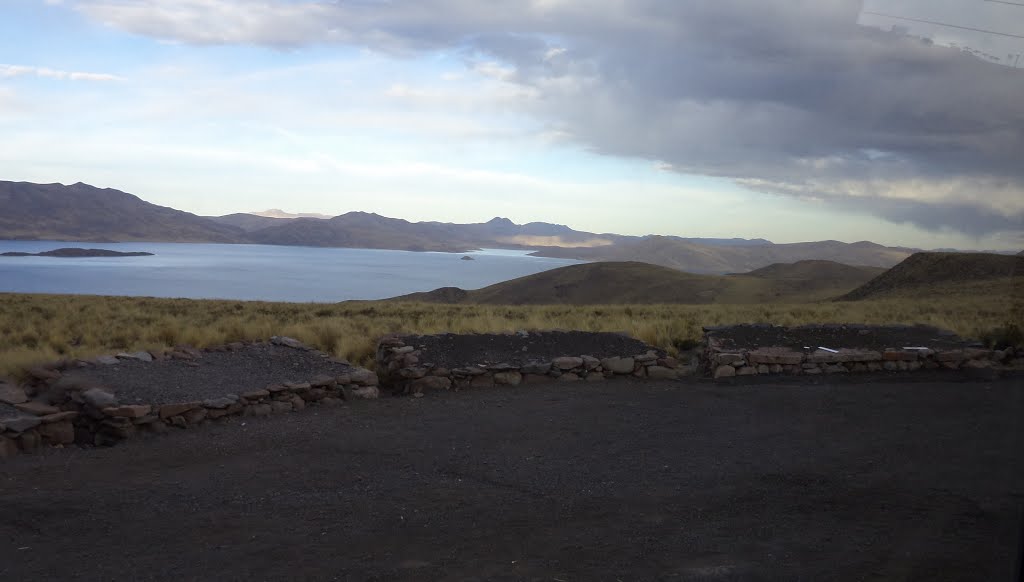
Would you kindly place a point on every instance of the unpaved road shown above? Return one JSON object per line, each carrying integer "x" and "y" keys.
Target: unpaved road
{"x": 837, "y": 480}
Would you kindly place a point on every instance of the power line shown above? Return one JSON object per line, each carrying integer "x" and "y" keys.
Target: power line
{"x": 945, "y": 24}
{"x": 1005, "y": 2}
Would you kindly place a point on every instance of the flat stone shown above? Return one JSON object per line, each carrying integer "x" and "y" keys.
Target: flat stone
{"x": 590, "y": 362}
{"x": 725, "y": 371}
{"x": 44, "y": 374}
{"x": 37, "y": 408}
{"x": 128, "y": 410}
{"x": 782, "y": 356}
{"x": 502, "y": 367}
{"x": 256, "y": 394}
{"x": 279, "y": 407}
{"x": 10, "y": 394}
{"x": 59, "y": 416}
{"x": 218, "y": 402}
{"x": 21, "y": 423}
{"x": 412, "y": 373}
{"x": 275, "y": 388}
{"x": 898, "y": 356}
{"x": 728, "y": 358}
{"x": 138, "y": 356}
{"x": 99, "y": 398}
{"x": 650, "y": 356}
{"x": 747, "y": 371}
{"x": 567, "y": 362}
{"x": 169, "y": 410}
{"x": 402, "y": 350}
{"x": 106, "y": 360}
{"x": 569, "y": 377}
{"x": 619, "y": 365}
{"x": 511, "y": 378}
{"x": 668, "y": 362}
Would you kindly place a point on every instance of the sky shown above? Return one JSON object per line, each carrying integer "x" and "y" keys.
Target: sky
{"x": 897, "y": 121}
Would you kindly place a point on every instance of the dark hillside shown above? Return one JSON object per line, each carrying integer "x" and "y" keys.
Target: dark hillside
{"x": 924, "y": 271}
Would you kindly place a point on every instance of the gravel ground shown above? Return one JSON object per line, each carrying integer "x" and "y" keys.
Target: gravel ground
{"x": 212, "y": 376}
{"x": 838, "y": 336}
{"x": 453, "y": 350}
{"x": 844, "y": 480}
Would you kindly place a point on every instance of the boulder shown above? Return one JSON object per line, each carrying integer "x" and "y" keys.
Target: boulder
{"x": 21, "y": 423}
{"x": 537, "y": 368}
{"x": 10, "y": 394}
{"x": 569, "y": 377}
{"x": 661, "y": 373}
{"x": 725, "y": 371}
{"x": 747, "y": 371}
{"x": 323, "y": 381}
{"x": 511, "y": 378}
{"x": 589, "y": 363}
{"x": 256, "y": 395}
{"x": 106, "y": 360}
{"x": 363, "y": 377}
{"x": 619, "y": 365}
{"x": 58, "y": 433}
{"x": 366, "y": 392}
{"x": 218, "y": 402}
{"x": 430, "y": 383}
{"x": 195, "y": 416}
{"x": 99, "y": 398}
{"x": 728, "y": 359}
{"x": 650, "y": 356}
{"x": 138, "y": 356}
{"x": 298, "y": 403}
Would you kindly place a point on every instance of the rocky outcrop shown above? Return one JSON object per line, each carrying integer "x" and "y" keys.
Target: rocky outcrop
{"x": 57, "y": 410}
{"x": 722, "y": 358}
{"x": 405, "y": 367}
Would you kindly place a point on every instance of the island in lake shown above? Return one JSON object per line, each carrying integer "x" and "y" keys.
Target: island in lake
{"x": 76, "y": 253}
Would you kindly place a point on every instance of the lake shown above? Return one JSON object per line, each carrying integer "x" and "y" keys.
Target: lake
{"x": 257, "y": 272}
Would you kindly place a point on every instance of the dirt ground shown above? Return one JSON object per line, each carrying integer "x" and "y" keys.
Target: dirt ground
{"x": 454, "y": 350}
{"x": 844, "y": 479}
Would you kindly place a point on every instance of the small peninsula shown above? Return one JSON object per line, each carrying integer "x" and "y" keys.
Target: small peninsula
{"x": 76, "y": 253}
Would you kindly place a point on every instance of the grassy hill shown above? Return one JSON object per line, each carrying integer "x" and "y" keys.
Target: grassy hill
{"x": 943, "y": 274}
{"x": 613, "y": 283}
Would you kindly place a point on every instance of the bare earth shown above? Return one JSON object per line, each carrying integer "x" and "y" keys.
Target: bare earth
{"x": 862, "y": 479}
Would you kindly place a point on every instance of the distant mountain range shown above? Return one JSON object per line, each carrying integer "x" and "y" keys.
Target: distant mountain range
{"x": 85, "y": 213}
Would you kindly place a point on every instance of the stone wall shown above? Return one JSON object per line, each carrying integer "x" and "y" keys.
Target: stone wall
{"x": 720, "y": 360}
{"x": 78, "y": 413}
{"x": 405, "y": 369}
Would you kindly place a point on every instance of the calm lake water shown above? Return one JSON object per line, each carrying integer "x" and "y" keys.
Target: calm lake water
{"x": 261, "y": 272}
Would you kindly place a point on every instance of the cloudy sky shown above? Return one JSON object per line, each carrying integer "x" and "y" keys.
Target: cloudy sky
{"x": 786, "y": 119}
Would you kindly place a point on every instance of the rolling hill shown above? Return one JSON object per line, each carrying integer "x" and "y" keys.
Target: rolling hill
{"x": 701, "y": 258}
{"x": 85, "y": 213}
{"x": 642, "y": 283}
{"x": 925, "y": 274}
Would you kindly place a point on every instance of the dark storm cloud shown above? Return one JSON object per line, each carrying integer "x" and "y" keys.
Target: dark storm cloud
{"x": 785, "y": 96}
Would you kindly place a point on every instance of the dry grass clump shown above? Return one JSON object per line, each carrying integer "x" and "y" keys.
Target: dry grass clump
{"x": 40, "y": 328}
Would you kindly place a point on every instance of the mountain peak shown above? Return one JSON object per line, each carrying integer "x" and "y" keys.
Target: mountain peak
{"x": 499, "y": 221}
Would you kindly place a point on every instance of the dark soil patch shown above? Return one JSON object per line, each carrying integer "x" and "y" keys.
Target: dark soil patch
{"x": 454, "y": 350}
{"x": 212, "y": 376}
{"x": 626, "y": 480}
{"x": 6, "y": 410}
{"x": 836, "y": 336}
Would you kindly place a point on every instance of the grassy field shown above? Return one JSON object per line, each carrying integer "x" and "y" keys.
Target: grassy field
{"x": 40, "y": 328}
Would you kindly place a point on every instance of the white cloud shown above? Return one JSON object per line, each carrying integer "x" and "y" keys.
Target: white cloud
{"x": 9, "y": 71}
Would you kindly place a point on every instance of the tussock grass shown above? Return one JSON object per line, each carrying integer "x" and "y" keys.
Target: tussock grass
{"x": 40, "y": 328}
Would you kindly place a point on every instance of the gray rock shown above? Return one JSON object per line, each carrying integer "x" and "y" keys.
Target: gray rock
{"x": 661, "y": 373}
{"x": 99, "y": 398}
{"x": 590, "y": 362}
{"x": 366, "y": 392}
{"x": 510, "y": 378}
{"x": 567, "y": 362}
{"x": 287, "y": 342}
{"x": 106, "y": 360}
{"x": 363, "y": 377}
{"x": 218, "y": 402}
{"x": 536, "y": 368}
{"x": 140, "y": 356}
{"x": 747, "y": 371}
